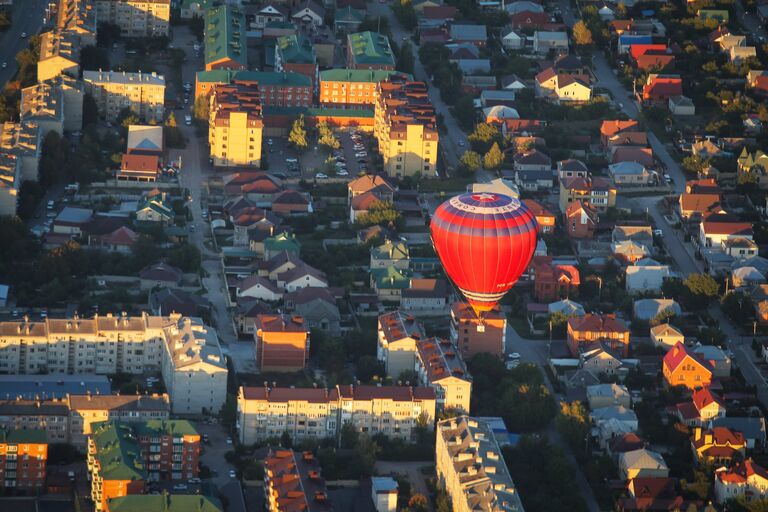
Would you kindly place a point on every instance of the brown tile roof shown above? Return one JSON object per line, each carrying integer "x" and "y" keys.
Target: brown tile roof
{"x": 120, "y": 402}
{"x": 612, "y": 127}
{"x": 280, "y": 323}
{"x": 598, "y": 323}
{"x": 440, "y": 360}
{"x": 368, "y": 182}
{"x": 699, "y": 203}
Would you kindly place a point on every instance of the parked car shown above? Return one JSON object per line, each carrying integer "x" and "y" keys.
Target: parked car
{"x": 321, "y": 176}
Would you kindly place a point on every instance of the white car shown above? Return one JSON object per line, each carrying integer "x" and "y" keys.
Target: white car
{"x": 229, "y": 440}
{"x": 461, "y": 143}
{"x": 321, "y": 176}
{"x": 270, "y": 141}
{"x": 342, "y": 172}
{"x": 23, "y": 35}
{"x": 232, "y": 473}
{"x": 188, "y": 120}
{"x": 5, "y": 65}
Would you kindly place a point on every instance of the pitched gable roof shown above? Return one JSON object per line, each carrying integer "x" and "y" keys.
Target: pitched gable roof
{"x": 679, "y": 354}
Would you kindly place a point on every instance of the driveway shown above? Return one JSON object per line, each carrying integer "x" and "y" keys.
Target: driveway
{"x": 411, "y": 470}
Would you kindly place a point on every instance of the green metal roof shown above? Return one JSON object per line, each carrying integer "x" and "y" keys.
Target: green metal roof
{"x": 118, "y": 452}
{"x": 287, "y": 78}
{"x": 371, "y": 48}
{"x": 23, "y": 436}
{"x": 296, "y": 49}
{"x": 356, "y": 75}
{"x": 167, "y": 427}
{"x": 390, "y": 251}
{"x": 156, "y": 206}
{"x": 225, "y": 35}
{"x": 282, "y": 242}
{"x": 391, "y": 278}
{"x": 165, "y": 503}
{"x": 349, "y": 15}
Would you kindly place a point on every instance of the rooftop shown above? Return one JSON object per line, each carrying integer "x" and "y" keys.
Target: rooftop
{"x": 225, "y": 35}
{"x": 122, "y": 77}
{"x": 370, "y": 48}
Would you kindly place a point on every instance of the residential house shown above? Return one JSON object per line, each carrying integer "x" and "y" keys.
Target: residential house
{"x": 271, "y": 12}
{"x": 743, "y": 480}
{"x": 682, "y": 367}
{"x": 629, "y": 251}
{"x": 397, "y": 336}
{"x": 317, "y": 306}
{"x": 390, "y": 282}
{"x": 545, "y": 42}
{"x": 645, "y": 278}
{"x": 580, "y": 219}
{"x": 719, "y": 445}
{"x": 752, "y": 428}
{"x": 600, "y": 361}
{"x": 630, "y": 173}
{"x": 301, "y": 276}
{"x": 308, "y": 14}
{"x": 739, "y": 248}
{"x": 154, "y": 209}
{"x": 717, "y": 228}
{"x": 598, "y": 192}
{"x": 167, "y": 301}
{"x": 258, "y": 287}
{"x": 651, "y": 494}
{"x": 571, "y": 168}
{"x": 666, "y": 336}
{"x": 425, "y": 296}
{"x": 658, "y": 89}
{"x": 608, "y": 395}
{"x": 465, "y": 33}
{"x": 597, "y": 328}
{"x": 681, "y": 106}
{"x": 553, "y": 281}
{"x": 347, "y": 19}
{"x": 746, "y": 277}
{"x": 282, "y": 343}
{"x": 703, "y": 407}
{"x": 369, "y": 51}
{"x": 718, "y": 360}
{"x": 159, "y": 275}
{"x": 390, "y": 254}
{"x": 642, "y": 463}
{"x": 650, "y": 309}
{"x": 545, "y": 220}
{"x": 609, "y": 129}
{"x": 699, "y": 205}
{"x": 511, "y": 39}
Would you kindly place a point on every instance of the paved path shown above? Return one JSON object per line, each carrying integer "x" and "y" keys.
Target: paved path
{"x": 412, "y": 470}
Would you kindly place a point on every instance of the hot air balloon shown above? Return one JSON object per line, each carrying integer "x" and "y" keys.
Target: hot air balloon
{"x": 484, "y": 241}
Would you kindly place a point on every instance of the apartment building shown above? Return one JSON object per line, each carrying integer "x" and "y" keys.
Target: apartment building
{"x": 369, "y": 51}
{"x": 350, "y": 87}
{"x": 142, "y": 93}
{"x": 474, "y": 335}
{"x": 123, "y": 458}
{"x": 235, "y": 126}
{"x": 397, "y": 335}
{"x": 282, "y": 342}
{"x": 59, "y": 54}
{"x": 225, "y": 46}
{"x": 78, "y": 17}
{"x": 471, "y": 468}
{"x": 193, "y": 367}
{"x": 24, "y": 140}
{"x": 405, "y": 128}
{"x": 56, "y": 104}
{"x": 10, "y": 183}
{"x": 312, "y": 413}
{"x": 83, "y": 411}
{"x": 440, "y": 367}
{"x": 292, "y": 481}
{"x": 276, "y": 89}
{"x": 23, "y": 459}
{"x": 136, "y": 18}
{"x": 295, "y": 53}
{"x": 186, "y": 351}
{"x": 49, "y": 416}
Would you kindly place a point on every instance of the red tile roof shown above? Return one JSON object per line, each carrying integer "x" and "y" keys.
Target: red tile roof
{"x": 636, "y": 50}
{"x": 598, "y": 323}
{"x": 537, "y": 209}
{"x": 662, "y": 87}
{"x": 699, "y": 203}
{"x": 740, "y": 472}
{"x": 612, "y": 127}
{"x": 678, "y": 354}
{"x": 280, "y": 323}
{"x": 703, "y": 397}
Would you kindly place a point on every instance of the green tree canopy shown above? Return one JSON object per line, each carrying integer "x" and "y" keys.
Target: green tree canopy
{"x": 298, "y": 135}
{"x": 471, "y": 161}
{"x": 494, "y": 158}
{"x": 326, "y": 137}
{"x": 582, "y": 35}
{"x": 381, "y": 213}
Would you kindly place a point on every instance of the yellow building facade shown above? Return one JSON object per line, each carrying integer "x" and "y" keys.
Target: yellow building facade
{"x": 235, "y": 126}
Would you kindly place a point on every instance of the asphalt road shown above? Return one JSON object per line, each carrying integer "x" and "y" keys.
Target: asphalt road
{"x": 27, "y": 18}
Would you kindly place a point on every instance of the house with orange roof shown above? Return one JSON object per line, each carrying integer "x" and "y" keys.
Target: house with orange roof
{"x": 658, "y": 89}
{"x": 718, "y": 445}
{"x": 137, "y": 167}
{"x": 599, "y": 192}
{"x": 282, "y": 343}
{"x": 369, "y": 182}
{"x": 742, "y": 480}
{"x": 704, "y": 406}
{"x": 397, "y": 336}
{"x": 610, "y": 128}
{"x": 120, "y": 240}
{"x": 441, "y": 367}
{"x": 292, "y": 482}
{"x": 362, "y": 203}
{"x": 682, "y": 367}
{"x": 553, "y": 281}
{"x": 696, "y": 206}
{"x": 545, "y": 220}
{"x": 651, "y": 493}
{"x": 717, "y": 228}
{"x": 580, "y": 220}
{"x": 584, "y": 332}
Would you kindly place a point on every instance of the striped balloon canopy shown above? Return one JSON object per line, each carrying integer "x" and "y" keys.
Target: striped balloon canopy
{"x": 484, "y": 241}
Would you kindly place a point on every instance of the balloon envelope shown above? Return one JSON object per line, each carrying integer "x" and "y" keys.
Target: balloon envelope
{"x": 484, "y": 241}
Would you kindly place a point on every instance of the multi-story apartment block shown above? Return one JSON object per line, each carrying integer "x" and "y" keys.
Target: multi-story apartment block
{"x": 115, "y": 464}
{"x": 123, "y": 457}
{"x": 225, "y": 46}
{"x": 10, "y": 182}
{"x": 193, "y": 367}
{"x": 136, "y": 18}
{"x": 439, "y": 366}
{"x": 23, "y": 459}
{"x": 56, "y": 104}
{"x": 59, "y": 54}
{"x": 292, "y": 481}
{"x": 83, "y": 411}
{"x": 295, "y": 53}
{"x": 471, "y": 468}
{"x": 405, "y": 128}
{"x": 282, "y": 343}
{"x": 312, "y": 413}
{"x": 474, "y": 335}
{"x": 186, "y": 351}
{"x": 23, "y": 140}
{"x": 78, "y": 17}
{"x": 596, "y": 191}
{"x": 397, "y": 335}
{"x": 369, "y": 51}
{"x": 142, "y": 93}
{"x": 235, "y": 125}
{"x": 350, "y": 87}
{"x": 50, "y": 416}
{"x": 276, "y": 89}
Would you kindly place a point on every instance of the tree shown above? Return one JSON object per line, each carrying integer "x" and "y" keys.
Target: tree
{"x": 405, "y": 59}
{"x": 573, "y": 424}
{"x": 464, "y": 111}
{"x": 170, "y": 122}
{"x": 326, "y": 137}
{"x": 90, "y": 110}
{"x": 197, "y": 27}
{"x": 581, "y": 34}
{"x": 405, "y": 14}
{"x": 701, "y": 287}
{"x": 53, "y": 158}
{"x": 367, "y": 450}
{"x": 417, "y": 503}
{"x": 286, "y": 441}
{"x": 471, "y": 161}
{"x": 494, "y": 158}
{"x": 126, "y": 117}
{"x": 5, "y": 20}
{"x": 738, "y": 307}
{"x": 186, "y": 257}
{"x": 298, "y": 135}
{"x": 483, "y": 137}
{"x": 93, "y": 58}
{"x": 107, "y": 34}
{"x": 201, "y": 108}
{"x": 381, "y": 213}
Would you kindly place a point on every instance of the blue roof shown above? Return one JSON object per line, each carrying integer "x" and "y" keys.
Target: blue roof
{"x": 4, "y": 291}
{"x": 147, "y": 144}
{"x": 52, "y": 386}
{"x": 635, "y": 39}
